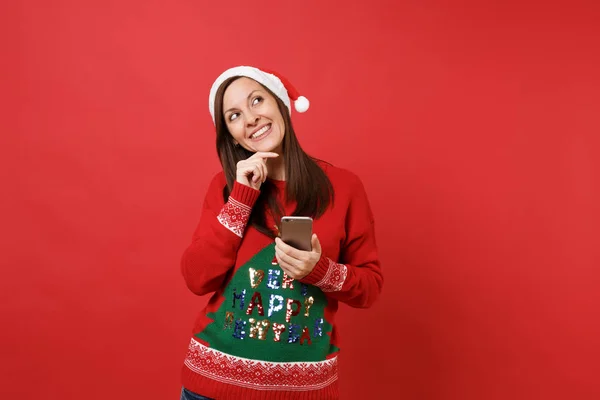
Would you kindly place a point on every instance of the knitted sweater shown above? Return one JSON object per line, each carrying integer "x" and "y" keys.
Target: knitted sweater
{"x": 264, "y": 335}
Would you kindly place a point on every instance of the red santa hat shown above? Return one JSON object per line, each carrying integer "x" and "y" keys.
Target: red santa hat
{"x": 275, "y": 82}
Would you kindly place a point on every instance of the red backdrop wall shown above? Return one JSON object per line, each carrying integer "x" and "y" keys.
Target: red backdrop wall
{"x": 473, "y": 126}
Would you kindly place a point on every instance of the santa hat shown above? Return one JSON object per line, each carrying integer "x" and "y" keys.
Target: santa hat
{"x": 273, "y": 81}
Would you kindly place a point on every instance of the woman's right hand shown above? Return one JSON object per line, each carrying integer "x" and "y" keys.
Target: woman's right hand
{"x": 253, "y": 170}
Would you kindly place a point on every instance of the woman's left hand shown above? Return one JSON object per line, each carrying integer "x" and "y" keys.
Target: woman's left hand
{"x": 297, "y": 263}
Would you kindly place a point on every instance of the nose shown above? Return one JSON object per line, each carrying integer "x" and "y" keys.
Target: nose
{"x": 251, "y": 118}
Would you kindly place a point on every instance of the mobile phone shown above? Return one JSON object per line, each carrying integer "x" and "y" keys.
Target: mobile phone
{"x": 297, "y": 232}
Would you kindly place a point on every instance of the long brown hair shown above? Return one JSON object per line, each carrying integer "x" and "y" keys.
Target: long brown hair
{"x": 306, "y": 183}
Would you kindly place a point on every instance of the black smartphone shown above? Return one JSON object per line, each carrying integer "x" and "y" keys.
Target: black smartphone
{"x": 297, "y": 232}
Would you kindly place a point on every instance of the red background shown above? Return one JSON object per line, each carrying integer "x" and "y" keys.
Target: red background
{"x": 473, "y": 126}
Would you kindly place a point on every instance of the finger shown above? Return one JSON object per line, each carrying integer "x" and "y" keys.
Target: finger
{"x": 257, "y": 174}
{"x": 316, "y": 245}
{"x": 289, "y": 270}
{"x": 262, "y": 173}
{"x": 286, "y": 267}
{"x": 264, "y": 154}
{"x": 283, "y": 257}
{"x": 258, "y": 163}
{"x": 286, "y": 258}
{"x": 246, "y": 166}
{"x": 265, "y": 171}
{"x": 291, "y": 251}
{"x": 245, "y": 170}
{"x": 250, "y": 169}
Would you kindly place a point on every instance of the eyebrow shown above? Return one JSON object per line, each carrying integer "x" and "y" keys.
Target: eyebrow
{"x": 247, "y": 98}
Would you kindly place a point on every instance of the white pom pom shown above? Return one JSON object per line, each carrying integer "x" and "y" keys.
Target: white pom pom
{"x": 301, "y": 104}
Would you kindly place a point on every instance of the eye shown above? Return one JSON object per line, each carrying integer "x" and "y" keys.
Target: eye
{"x": 233, "y": 116}
{"x": 257, "y": 100}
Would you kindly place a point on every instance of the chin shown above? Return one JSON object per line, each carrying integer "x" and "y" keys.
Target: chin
{"x": 267, "y": 147}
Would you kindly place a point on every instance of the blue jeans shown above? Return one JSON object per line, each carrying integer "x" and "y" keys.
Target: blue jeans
{"x": 187, "y": 395}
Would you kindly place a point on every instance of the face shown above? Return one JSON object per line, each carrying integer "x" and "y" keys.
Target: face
{"x": 252, "y": 116}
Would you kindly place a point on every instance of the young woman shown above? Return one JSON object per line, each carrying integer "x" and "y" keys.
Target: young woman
{"x": 268, "y": 331}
